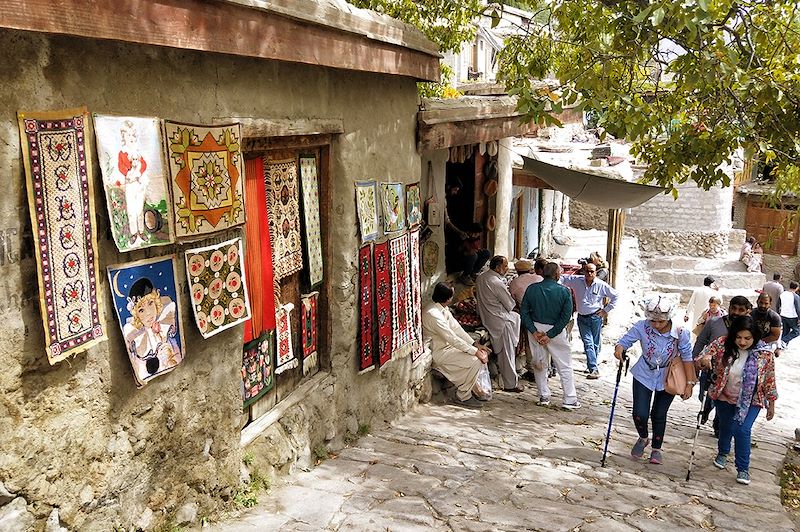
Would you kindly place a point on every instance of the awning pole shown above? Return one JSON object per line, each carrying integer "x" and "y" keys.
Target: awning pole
{"x": 616, "y": 226}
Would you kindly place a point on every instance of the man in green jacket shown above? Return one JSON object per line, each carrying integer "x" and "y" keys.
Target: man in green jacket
{"x": 546, "y": 309}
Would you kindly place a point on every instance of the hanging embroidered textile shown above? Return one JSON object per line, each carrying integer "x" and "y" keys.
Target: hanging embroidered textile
{"x": 205, "y": 164}
{"x": 367, "y": 206}
{"x": 416, "y": 294}
{"x": 401, "y": 291}
{"x": 217, "y": 286}
{"x": 310, "y": 186}
{"x": 393, "y": 201}
{"x": 131, "y": 153}
{"x": 257, "y": 376}
{"x": 286, "y": 358}
{"x": 283, "y": 197}
{"x": 258, "y": 254}
{"x": 61, "y": 202}
{"x": 309, "y": 330}
{"x": 145, "y": 298}
{"x": 383, "y": 297}
{"x": 413, "y": 205}
{"x": 366, "y": 304}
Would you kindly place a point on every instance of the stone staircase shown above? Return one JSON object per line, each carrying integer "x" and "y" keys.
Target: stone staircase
{"x": 681, "y": 275}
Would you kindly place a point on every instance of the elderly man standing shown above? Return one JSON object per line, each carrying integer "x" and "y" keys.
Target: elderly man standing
{"x": 496, "y": 309}
{"x": 527, "y": 274}
{"x": 589, "y": 295}
{"x": 774, "y": 288}
{"x": 546, "y": 309}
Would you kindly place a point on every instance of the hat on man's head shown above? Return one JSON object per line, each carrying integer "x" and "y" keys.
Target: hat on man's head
{"x": 658, "y": 307}
{"x": 523, "y": 266}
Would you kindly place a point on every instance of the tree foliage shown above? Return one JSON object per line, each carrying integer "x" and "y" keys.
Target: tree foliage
{"x": 687, "y": 81}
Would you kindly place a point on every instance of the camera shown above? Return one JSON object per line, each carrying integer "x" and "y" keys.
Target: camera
{"x": 583, "y": 262}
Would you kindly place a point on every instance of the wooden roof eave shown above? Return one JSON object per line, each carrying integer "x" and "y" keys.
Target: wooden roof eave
{"x": 230, "y": 27}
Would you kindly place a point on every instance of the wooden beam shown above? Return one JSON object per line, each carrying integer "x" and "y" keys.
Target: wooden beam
{"x": 218, "y": 27}
{"x": 444, "y": 135}
{"x": 521, "y": 178}
{"x": 277, "y": 127}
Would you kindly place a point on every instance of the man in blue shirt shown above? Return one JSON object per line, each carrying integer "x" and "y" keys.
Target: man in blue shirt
{"x": 546, "y": 309}
{"x": 589, "y": 294}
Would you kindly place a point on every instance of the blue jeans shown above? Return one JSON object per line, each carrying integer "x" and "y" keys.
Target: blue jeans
{"x": 740, "y": 432}
{"x": 642, "y": 396}
{"x": 590, "y": 327}
{"x": 790, "y": 329}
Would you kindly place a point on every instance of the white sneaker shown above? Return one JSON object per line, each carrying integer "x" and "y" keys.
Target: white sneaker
{"x": 544, "y": 401}
{"x": 571, "y": 406}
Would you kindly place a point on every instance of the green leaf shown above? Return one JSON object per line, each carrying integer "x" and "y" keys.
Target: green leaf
{"x": 703, "y": 5}
{"x": 657, "y": 16}
{"x": 495, "y": 18}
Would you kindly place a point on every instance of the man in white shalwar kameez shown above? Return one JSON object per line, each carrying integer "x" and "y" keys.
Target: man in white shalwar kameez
{"x": 496, "y": 309}
{"x": 698, "y": 303}
{"x": 455, "y": 354}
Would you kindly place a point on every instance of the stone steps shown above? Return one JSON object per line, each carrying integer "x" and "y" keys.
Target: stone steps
{"x": 711, "y": 267}
{"x": 726, "y": 294}
{"x": 740, "y": 280}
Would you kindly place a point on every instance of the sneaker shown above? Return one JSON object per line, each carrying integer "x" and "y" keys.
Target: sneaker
{"x": 544, "y": 401}
{"x": 743, "y": 477}
{"x": 638, "y": 448}
{"x": 656, "y": 457}
{"x": 594, "y": 374}
{"x": 529, "y": 376}
{"x": 796, "y": 447}
{"x": 571, "y": 406}
{"x": 551, "y": 372}
{"x": 721, "y": 461}
{"x": 472, "y": 402}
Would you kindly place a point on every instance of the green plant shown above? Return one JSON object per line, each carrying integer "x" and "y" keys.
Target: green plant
{"x": 363, "y": 429}
{"x": 321, "y": 453}
{"x": 248, "y": 458}
{"x": 247, "y": 494}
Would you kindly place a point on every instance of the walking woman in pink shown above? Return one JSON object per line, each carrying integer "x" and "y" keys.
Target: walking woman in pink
{"x": 743, "y": 382}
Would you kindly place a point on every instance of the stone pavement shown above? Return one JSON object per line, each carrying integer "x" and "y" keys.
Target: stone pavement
{"x": 518, "y": 466}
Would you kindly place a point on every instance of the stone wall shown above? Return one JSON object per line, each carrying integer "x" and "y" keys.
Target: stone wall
{"x": 695, "y": 208}
{"x": 587, "y": 216}
{"x": 78, "y": 436}
{"x": 652, "y": 242}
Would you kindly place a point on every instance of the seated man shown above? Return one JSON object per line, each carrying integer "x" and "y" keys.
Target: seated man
{"x": 455, "y": 354}
{"x": 463, "y": 251}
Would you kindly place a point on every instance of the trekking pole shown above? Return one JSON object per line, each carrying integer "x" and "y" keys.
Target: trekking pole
{"x": 626, "y": 362}
{"x": 696, "y": 432}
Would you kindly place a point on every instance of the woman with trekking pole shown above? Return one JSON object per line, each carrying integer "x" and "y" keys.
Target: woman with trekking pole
{"x": 742, "y": 383}
{"x": 661, "y": 341}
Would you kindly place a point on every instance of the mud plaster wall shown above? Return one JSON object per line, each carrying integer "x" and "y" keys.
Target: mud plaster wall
{"x": 78, "y": 435}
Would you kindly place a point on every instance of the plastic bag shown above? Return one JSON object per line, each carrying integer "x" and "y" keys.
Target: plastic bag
{"x": 484, "y": 382}
{"x": 539, "y": 356}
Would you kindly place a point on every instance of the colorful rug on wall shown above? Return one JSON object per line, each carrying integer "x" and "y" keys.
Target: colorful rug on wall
{"x": 416, "y": 294}
{"x": 205, "y": 165}
{"x": 401, "y": 291}
{"x": 309, "y": 330}
{"x": 130, "y": 151}
{"x": 283, "y": 203}
{"x": 257, "y": 378}
{"x": 61, "y": 202}
{"x": 218, "y": 289}
{"x": 383, "y": 298}
{"x": 393, "y": 201}
{"x": 366, "y": 304}
{"x": 145, "y": 298}
{"x": 413, "y": 205}
{"x": 286, "y": 359}
{"x": 258, "y": 253}
{"x": 310, "y": 186}
{"x": 367, "y": 207}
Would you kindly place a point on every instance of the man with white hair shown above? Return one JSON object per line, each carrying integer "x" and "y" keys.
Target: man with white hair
{"x": 546, "y": 309}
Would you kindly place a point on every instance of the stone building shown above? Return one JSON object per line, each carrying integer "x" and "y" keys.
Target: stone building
{"x": 78, "y": 438}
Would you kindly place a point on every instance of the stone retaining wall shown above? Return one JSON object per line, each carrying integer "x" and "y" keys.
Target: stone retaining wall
{"x": 653, "y": 242}
{"x": 586, "y": 216}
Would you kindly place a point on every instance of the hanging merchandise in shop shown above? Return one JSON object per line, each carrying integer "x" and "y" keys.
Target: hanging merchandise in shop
{"x": 283, "y": 202}
{"x": 366, "y": 306}
{"x": 383, "y": 298}
{"x": 310, "y": 185}
{"x": 205, "y": 164}
{"x": 367, "y": 207}
{"x": 131, "y": 154}
{"x": 145, "y": 299}
{"x": 55, "y": 148}
{"x": 394, "y": 207}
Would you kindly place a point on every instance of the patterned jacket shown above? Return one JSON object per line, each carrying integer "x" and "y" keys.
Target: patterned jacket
{"x": 765, "y": 390}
